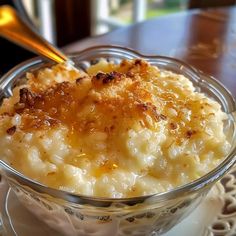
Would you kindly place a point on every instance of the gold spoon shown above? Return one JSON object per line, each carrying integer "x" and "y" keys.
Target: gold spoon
{"x": 16, "y": 30}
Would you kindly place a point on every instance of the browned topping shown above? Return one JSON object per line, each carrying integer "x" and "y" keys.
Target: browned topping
{"x": 141, "y": 122}
{"x": 111, "y": 76}
{"x": 79, "y": 80}
{"x": 109, "y": 130}
{"x": 19, "y": 107}
{"x": 36, "y": 119}
{"x": 138, "y": 62}
{"x": 27, "y": 100}
{"x": 130, "y": 74}
{"x": 62, "y": 103}
{"x": 5, "y": 114}
{"x": 26, "y": 97}
{"x": 11, "y": 130}
{"x": 150, "y": 109}
{"x": 47, "y": 108}
{"x": 173, "y": 126}
{"x": 189, "y": 133}
{"x": 163, "y": 117}
{"x": 112, "y": 96}
{"x": 100, "y": 76}
{"x": 106, "y": 78}
{"x": 142, "y": 106}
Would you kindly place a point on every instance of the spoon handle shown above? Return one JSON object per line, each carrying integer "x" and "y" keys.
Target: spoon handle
{"x": 16, "y": 30}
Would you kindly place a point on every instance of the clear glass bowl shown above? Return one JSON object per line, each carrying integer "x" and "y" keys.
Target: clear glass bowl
{"x": 73, "y": 214}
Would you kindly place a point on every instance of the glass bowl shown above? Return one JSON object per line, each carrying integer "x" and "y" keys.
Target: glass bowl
{"x": 154, "y": 214}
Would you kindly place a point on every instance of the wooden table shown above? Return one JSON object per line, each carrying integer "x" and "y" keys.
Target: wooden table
{"x": 204, "y": 38}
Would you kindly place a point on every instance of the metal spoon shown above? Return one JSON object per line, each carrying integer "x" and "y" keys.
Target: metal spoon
{"x": 16, "y": 30}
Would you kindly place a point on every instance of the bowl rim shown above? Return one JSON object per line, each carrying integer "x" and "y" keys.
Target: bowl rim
{"x": 208, "y": 179}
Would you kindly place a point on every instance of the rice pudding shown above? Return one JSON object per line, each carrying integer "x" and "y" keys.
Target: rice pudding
{"x": 114, "y": 131}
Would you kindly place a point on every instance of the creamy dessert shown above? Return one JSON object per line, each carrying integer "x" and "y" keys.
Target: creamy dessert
{"x": 117, "y": 130}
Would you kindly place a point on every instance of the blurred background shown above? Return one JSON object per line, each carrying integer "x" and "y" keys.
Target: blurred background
{"x": 94, "y": 17}
{"x": 65, "y": 21}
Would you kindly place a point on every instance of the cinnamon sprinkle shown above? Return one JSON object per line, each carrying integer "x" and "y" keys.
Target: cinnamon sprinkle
{"x": 11, "y": 130}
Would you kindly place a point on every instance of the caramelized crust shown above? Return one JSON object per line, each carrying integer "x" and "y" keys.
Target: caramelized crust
{"x": 113, "y": 94}
{"x": 132, "y": 93}
{"x": 118, "y": 130}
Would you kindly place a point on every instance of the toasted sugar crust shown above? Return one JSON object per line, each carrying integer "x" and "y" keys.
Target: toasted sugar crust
{"x": 129, "y": 122}
{"x": 114, "y": 92}
{"x": 133, "y": 92}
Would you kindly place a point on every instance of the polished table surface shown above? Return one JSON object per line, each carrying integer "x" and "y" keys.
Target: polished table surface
{"x": 205, "y": 39}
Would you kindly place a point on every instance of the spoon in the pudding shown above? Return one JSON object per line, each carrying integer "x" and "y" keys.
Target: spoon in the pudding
{"x": 13, "y": 28}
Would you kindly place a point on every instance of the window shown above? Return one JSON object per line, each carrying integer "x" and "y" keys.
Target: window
{"x": 105, "y": 15}
{"x": 110, "y": 14}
